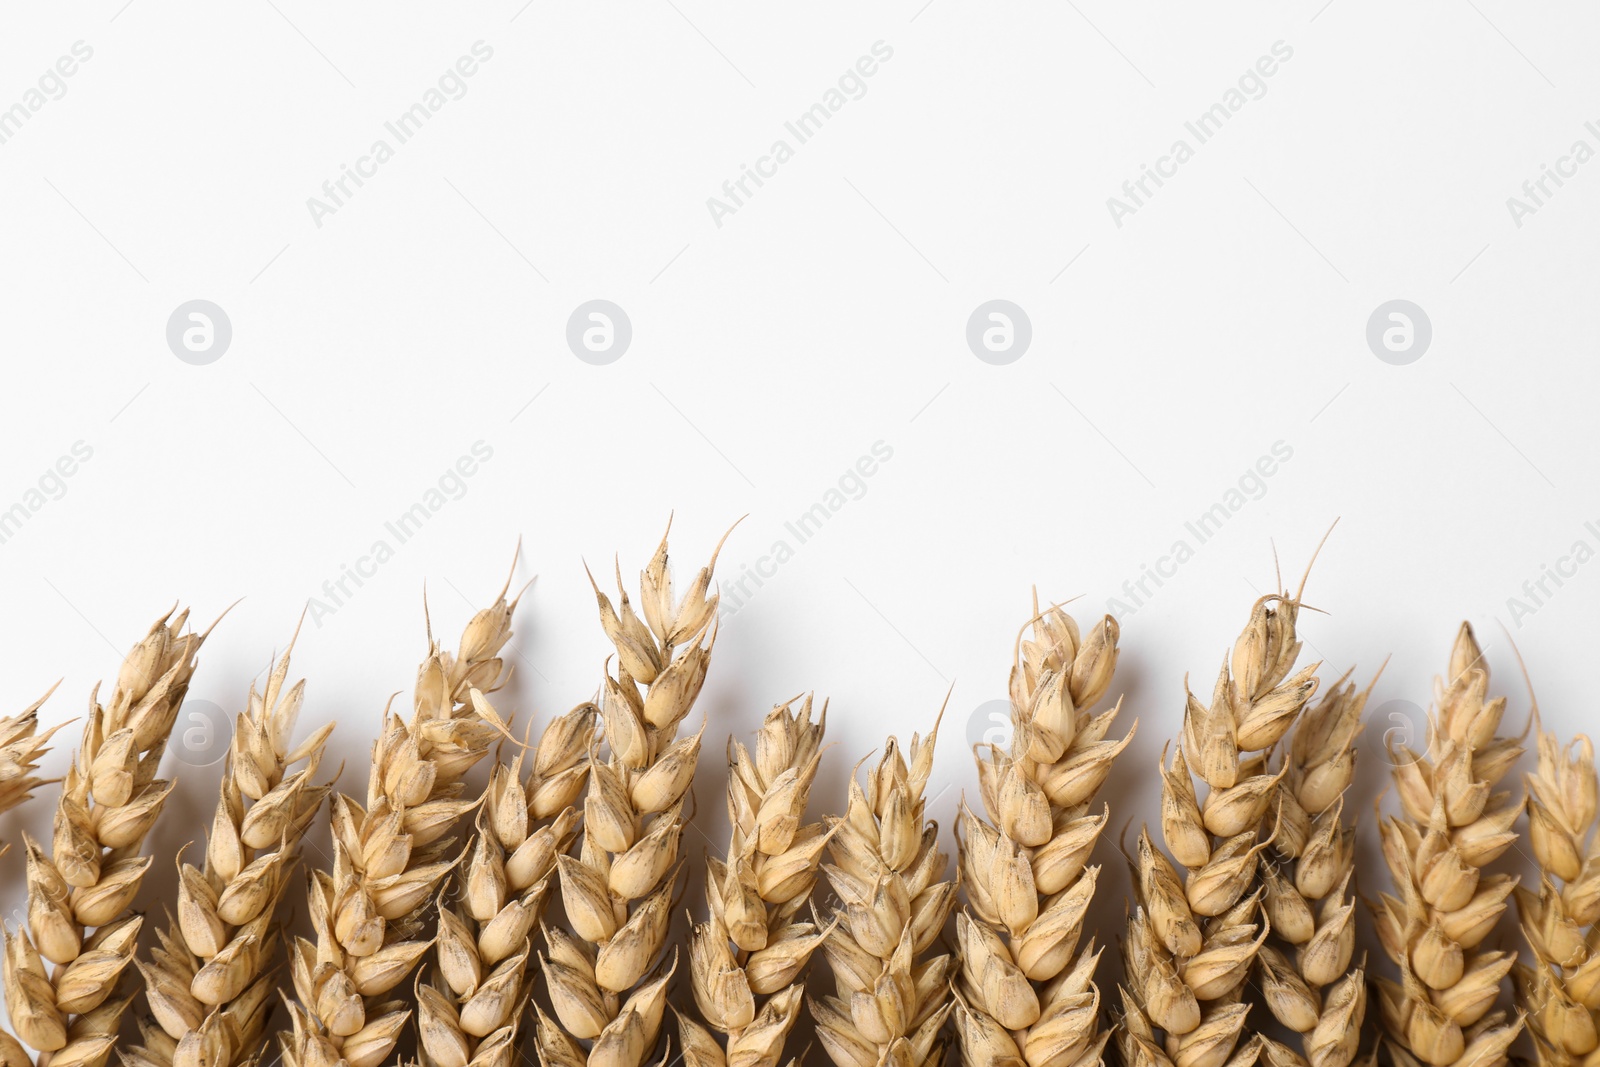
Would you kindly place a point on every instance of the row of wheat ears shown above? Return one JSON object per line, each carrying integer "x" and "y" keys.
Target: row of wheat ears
{"x": 1250, "y": 904}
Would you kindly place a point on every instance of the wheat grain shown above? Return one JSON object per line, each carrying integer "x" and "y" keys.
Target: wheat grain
{"x": 605, "y": 974}
{"x": 21, "y": 746}
{"x": 1452, "y": 824}
{"x": 1193, "y": 938}
{"x": 891, "y": 999}
{"x": 1305, "y": 971}
{"x": 472, "y": 1010}
{"x": 748, "y": 960}
{"x": 1559, "y": 991}
{"x": 1027, "y": 990}
{"x": 209, "y": 984}
{"x": 88, "y": 879}
{"x": 371, "y": 911}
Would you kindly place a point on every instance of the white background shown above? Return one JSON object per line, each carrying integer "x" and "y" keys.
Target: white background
{"x": 828, "y": 313}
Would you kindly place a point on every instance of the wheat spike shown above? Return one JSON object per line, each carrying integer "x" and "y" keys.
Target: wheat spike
{"x": 81, "y": 891}
{"x": 1197, "y": 926}
{"x": 748, "y": 960}
{"x": 371, "y": 911}
{"x": 1558, "y": 991}
{"x": 1027, "y": 990}
{"x": 472, "y": 1009}
{"x": 210, "y": 983}
{"x": 891, "y": 999}
{"x": 1305, "y": 970}
{"x": 21, "y": 746}
{"x": 604, "y": 970}
{"x": 1452, "y": 824}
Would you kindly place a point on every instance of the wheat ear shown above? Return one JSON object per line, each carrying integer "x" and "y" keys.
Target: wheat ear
{"x": 371, "y": 912}
{"x": 748, "y": 960}
{"x": 891, "y": 999}
{"x": 1304, "y": 970}
{"x": 1452, "y": 823}
{"x": 603, "y": 969}
{"x": 1193, "y": 938}
{"x": 21, "y": 746}
{"x": 472, "y": 1011}
{"x": 210, "y": 983}
{"x": 1027, "y": 990}
{"x": 110, "y": 799}
{"x": 1560, "y": 990}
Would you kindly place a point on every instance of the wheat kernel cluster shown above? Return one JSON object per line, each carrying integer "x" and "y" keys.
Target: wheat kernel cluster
{"x": 512, "y": 887}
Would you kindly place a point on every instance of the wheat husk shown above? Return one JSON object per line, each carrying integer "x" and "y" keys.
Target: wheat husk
{"x": 1306, "y": 972}
{"x": 1452, "y": 824}
{"x": 891, "y": 997}
{"x": 372, "y": 911}
{"x": 604, "y": 968}
{"x": 471, "y": 1009}
{"x": 210, "y": 981}
{"x": 22, "y": 745}
{"x": 82, "y": 888}
{"x": 1027, "y": 989}
{"x": 1559, "y": 988}
{"x": 748, "y": 960}
{"x": 1198, "y": 925}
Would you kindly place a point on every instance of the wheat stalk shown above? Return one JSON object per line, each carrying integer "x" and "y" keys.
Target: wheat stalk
{"x": 748, "y": 960}
{"x": 1027, "y": 990}
{"x": 891, "y": 999}
{"x": 209, "y": 984}
{"x": 110, "y": 799}
{"x": 1193, "y": 938}
{"x": 604, "y": 971}
{"x": 472, "y": 1011}
{"x": 1452, "y": 824}
{"x": 1305, "y": 971}
{"x": 1559, "y": 992}
{"x": 371, "y": 911}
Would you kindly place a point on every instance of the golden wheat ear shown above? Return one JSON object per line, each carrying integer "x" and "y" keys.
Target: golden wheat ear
{"x": 892, "y": 996}
{"x": 81, "y": 890}
{"x": 1197, "y": 928}
{"x": 373, "y": 910}
{"x": 1452, "y": 825}
{"x": 604, "y": 969}
{"x": 210, "y": 982}
{"x": 748, "y": 959}
{"x": 1025, "y": 860}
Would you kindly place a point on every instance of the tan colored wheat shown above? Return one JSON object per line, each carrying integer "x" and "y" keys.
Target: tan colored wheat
{"x": 210, "y": 984}
{"x": 1304, "y": 970}
{"x": 748, "y": 960}
{"x": 1560, "y": 990}
{"x": 1027, "y": 991}
{"x": 604, "y": 971}
{"x": 472, "y": 1011}
{"x": 1193, "y": 938}
{"x": 891, "y": 999}
{"x": 81, "y": 891}
{"x": 371, "y": 911}
{"x": 21, "y": 747}
{"x": 1452, "y": 824}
